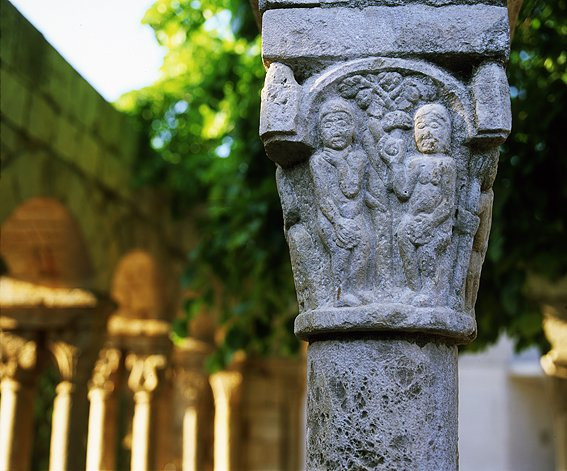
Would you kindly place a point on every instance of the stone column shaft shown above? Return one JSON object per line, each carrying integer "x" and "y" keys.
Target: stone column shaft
{"x": 143, "y": 381}
{"x": 18, "y": 355}
{"x": 59, "y": 448}
{"x": 189, "y": 459}
{"x": 141, "y": 431}
{"x": 101, "y": 433}
{"x": 8, "y": 407}
{"x": 16, "y": 425}
{"x": 381, "y": 404}
{"x": 226, "y": 391}
{"x": 96, "y": 432}
{"x": 386, "y": 152}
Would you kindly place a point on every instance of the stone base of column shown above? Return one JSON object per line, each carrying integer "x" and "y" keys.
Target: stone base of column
{"x": 382, "y": 403}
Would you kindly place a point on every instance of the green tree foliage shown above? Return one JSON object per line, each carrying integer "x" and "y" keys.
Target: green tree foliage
{"x": 202, "y": 121}
{"x": 530, "y": 203}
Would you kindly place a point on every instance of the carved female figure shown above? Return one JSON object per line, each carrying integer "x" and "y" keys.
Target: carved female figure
{"x": 338, "y": 170}
{"x": 428, "y": 185}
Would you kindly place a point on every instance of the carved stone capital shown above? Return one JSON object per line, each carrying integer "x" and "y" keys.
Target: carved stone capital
{"x": 226, "y": 387}
{"x": 66, "y": 357}
{"x": 144, "y": 375}
{"x": 18, "y": 355}
{"x": 385, "y": 169}
{"x": 384, "y": 118}
{"x": 105, "y": 367}
{"x": 554, "y": 363}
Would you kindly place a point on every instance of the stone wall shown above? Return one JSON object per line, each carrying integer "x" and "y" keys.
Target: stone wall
{"x": 61, "y": 139}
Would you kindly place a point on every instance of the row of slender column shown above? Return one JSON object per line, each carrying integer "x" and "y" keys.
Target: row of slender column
{"x": 18, "y": 378}
{"x": 146, "y": 373}
{"x": 19, "y": 374}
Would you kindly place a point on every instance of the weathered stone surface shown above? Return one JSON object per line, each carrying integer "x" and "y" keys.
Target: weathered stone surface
{"x": 14, "y": 99}
{"x": 492, "y": 103}
{"x": 298, "y": 37}
{"x": 381, "y": 404}
{"x": 387, "y": 317}
{"x": 395, "y": 197}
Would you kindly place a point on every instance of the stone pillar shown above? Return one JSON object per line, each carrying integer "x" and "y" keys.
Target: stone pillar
{"x": 194, "y": 411}
{"x": 226, "y": 391}
{"x": 102, "y": 434}
{"x": 193, "y": 385}
{"x": 17, "y": 382}
{"x": 143, "y": 381}
{"x": 74, "y": 359}
{"x": 384, "y": 122}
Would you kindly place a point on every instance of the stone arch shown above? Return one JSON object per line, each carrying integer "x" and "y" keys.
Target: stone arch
{"x": 138, "y": 286}
{"x": 454, "y": 93}
{"x": 43, "y": 243}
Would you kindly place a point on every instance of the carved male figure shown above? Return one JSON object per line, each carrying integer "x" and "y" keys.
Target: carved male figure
{"x": 338, "y": 170}
{"x": 428, "y": 184}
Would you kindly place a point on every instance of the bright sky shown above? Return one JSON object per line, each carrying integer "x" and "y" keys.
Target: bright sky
{"x": 103, "y": 40}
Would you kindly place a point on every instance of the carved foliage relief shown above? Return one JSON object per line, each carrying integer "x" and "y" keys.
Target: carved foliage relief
{"x": 393, "y": 199}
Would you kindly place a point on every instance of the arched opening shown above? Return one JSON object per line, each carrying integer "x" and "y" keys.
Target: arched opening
{"x": 138, "y": 287}
{"x": 42, "y": 243}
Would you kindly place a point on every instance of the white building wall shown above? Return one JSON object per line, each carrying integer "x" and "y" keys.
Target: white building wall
{"x": 504, "y": 411}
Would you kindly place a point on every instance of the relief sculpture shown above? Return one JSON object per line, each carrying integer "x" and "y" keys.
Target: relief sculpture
{"x": 428, "y": 185}
{"x": 338, "y": 170}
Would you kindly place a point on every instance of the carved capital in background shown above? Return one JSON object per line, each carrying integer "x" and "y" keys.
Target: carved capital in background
{"x": 18, "y": 355}
{"x": 226, "y": 387}
{"x": 144, "y": 371}
{"x": 105, "y": 367}
{"x": 66, "y": 357}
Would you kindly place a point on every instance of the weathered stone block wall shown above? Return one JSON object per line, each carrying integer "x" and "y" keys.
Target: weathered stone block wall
{"x": 61, "y": 139}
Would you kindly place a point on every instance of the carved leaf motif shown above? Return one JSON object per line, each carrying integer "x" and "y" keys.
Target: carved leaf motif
{"x": 107, "y": 363}
{"x": 411, "y": 92}
{"x": 397, "y": 120}
{"x": 364, "y": 98}
{"x": 66, "y": 356}
{"x": 389, "y": 81}
{"x": 16, "y": 353}
{"x": 402, "y": 103}
{"x": 426, "y": 87}
{"x": 144, "y": 375}
{"x": 350, "y": 86}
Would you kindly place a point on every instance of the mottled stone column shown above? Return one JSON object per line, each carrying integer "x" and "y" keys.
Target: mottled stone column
{"x": 384, "y": 120}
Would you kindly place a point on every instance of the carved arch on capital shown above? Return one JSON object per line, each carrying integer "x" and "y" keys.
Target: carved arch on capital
{"x": 453, "y": 92}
